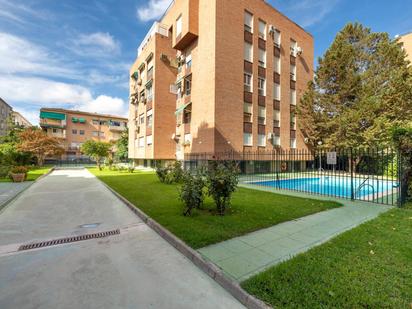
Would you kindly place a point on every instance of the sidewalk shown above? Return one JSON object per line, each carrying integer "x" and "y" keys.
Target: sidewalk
{"x": 244, "y": 256}
{"x": 8, "y": 190}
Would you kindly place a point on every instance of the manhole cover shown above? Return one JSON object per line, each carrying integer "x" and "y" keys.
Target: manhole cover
{"x": 89, "y": 225}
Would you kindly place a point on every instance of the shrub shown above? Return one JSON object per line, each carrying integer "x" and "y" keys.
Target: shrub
{"x": 171, "y": 173}
{"x": 4, "y": 171}
{"x": 19, "y": 170}
{"x": 177, "y": 171}
{"x": 192, "y": 191}
{"x": 130, "y": 169}
{"x": 222, "y": 181}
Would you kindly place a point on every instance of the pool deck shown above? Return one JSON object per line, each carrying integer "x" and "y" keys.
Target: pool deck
{"x": 245, "y": 256}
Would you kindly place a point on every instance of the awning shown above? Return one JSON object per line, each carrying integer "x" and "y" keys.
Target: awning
{"x": 135, "y": 75}
{"x": 82, "y": 120}
{"x": 51, "y": 115}
{"x": 74, "y": 119}
{"x": 182, "y": 108}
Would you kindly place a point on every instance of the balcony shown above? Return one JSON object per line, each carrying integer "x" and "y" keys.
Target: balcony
{"x": 117, "y": 128}
{"x": 53, "y": 123}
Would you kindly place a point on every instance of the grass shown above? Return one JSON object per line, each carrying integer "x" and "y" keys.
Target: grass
{"x": 32, "y": 174}
{"x": 367, "y": 267}
{"x": 251, "y": 209}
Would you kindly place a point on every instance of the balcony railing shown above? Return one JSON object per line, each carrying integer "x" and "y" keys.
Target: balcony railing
{"x": 117, "y": 128}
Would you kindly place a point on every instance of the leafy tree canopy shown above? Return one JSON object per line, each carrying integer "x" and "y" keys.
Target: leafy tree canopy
{"x": 96, "y": 150}
{"x": 362, "y": 88}
{"x": 122, "y": 147}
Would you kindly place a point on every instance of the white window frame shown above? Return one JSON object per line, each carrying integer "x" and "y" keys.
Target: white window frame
{"x": 187, "y": 138}
{"x": 179, "y": 26}
{"x": 276, "y": 140}
{"x": 248, "y": 82}
{"x": 293, "y": 96}
{"x": 261, "y": 142}
{"x": 141, "y": 142}
{"x": 293, "y": 143}
{"x": 262, "y": 86}
{"x": 149, "y": 140}
{"x": 247, "y": 139}
{"x": 276, "y": 92}
{"x": 276, "y": 64}
{"x": 248, "y": 52}
{"x": 262, "y": 113}
{"x": 188, "y": 61}
{"x": 277, "y": 38}
{"x": 262, "y": 58}
{"x": 248, "y": 21}
{"x": 293, "y": 72}
{"x": 247, "y": 108}
{"x": 262, "y": 29}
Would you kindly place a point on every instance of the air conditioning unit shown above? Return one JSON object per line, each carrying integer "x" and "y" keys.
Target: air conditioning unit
{"x": 270, "y": 136}
{"x": 299, "y": 50}
{"x": 272, "y": 29}
{"x": 164, "y": 57}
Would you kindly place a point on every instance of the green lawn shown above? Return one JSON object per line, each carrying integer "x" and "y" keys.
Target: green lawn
{"x": 367, "y": 267}
{"x": 251, "y": 210}
{"x": 32, "y": 174}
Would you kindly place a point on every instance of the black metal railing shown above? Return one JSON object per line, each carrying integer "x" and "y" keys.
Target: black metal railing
{"x": 371, "y": 175}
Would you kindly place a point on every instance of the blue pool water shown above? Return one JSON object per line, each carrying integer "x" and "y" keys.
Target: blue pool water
{"x": 336, "y": 186}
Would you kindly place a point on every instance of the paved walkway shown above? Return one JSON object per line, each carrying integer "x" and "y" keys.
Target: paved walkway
{"x": 8, "y": 190}
{"x": 247, "y": 255}
{"x": 136, "y": 269}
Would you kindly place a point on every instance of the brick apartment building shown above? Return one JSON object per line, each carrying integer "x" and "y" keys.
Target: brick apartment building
{"x": 75, "y": 127}
{"x": 215, "y": 76}
{"x": 5, "y": 116}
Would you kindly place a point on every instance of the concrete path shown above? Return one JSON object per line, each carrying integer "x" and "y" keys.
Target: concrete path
{"x": 136, "y": 269}
{"x": 8, "y": 190}
{"x": 244, "y": 256}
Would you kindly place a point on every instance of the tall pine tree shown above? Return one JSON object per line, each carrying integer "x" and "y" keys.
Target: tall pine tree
{"x": 362, "y": 88}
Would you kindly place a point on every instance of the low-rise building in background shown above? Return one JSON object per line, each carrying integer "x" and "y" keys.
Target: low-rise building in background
{"x": 5, "y": 116}
{"x": 76, "y": 127}
{"x": 20, "y": 120}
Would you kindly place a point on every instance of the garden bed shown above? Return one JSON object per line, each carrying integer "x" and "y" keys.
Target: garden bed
{"x": 32, "y": 174}
{"x": 367, "y": 267}
{"x": 251, "y": 210}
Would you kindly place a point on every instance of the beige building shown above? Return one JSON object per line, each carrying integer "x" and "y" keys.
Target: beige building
{"x": 75, "y": 127}
{"x": 215, "y": 76}
{"x": 20, "y": 120}
{"x": 406, "y": 41}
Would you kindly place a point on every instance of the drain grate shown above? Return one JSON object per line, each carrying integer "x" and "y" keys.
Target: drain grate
{"x": 68, "y": 240}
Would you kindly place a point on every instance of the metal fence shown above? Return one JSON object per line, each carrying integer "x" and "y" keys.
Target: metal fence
{"x": 371, "y": 175}
{"x": 77, "y": 162}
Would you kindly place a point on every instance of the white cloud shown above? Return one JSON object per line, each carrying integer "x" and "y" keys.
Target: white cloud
{"x": 153, "y": 10}
{"x": 42, "y": 91}
{"x": 105, "y": 105}
{"x": 18, "y": 55}
{"x": 98, "y": 43}
{"x": 16, "y": 12}
{"x": 32, "y": 116}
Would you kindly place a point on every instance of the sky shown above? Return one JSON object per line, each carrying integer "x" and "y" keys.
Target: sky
{"x": 77, "y": 53}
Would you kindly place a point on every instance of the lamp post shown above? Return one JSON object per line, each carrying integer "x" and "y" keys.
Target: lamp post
{"x": 320, "y": 157}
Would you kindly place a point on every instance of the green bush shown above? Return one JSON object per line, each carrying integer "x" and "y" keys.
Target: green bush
{"x": 222, "y": 181}
{"x": 171, "y": 173}
{"x": 19, "y": 170}
{"x": 4, "y": 171}
{"x": 192, "y": 191}
{"x": 130, "y": 169}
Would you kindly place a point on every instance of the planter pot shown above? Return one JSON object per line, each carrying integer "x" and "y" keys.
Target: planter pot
{"x": 18, "y": 177}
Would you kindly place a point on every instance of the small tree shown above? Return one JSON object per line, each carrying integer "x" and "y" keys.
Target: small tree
{"x": 222, "y": 181}
{"x": 191, "y": 192}
{"x": 122, "y": 146}
{"x": 38, "y": 143}
{"x": 96, "y": 150}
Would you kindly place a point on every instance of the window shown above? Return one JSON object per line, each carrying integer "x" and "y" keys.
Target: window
{"x": 141, "y": 142}
{"x": 74, "y": 131}
{"x": 149, "y": 91}
{"x": 179, "y": 26}
{"x": 150, "y": 64}
{"x": 247, "y": 139}
{"x": 188, "y": 138}
{"x": 248, "y": 52}
{"x": 293, "y": 143}
{"x": 276, "y": 92}
{"x": 149, "y": 118}
{"x": 276, "y": 140}
{"x": 103, "y": 122}
{"x": 188, "y": 61}
{"x": 293, "y": 47}
{"x": 149, "y": 139}
{"x": 101, "y": 134}
{"x": 293, "y": 72}
{"x": 142, "y": 74}
{"x": 262, "y": 86}
{"x": 292, "y": 121}
{"x": 262, "y": 58}
{"x": 261, "y": 140}
{"x": 262, "y": 29}
{"x": 247, "y": 112}
{"x": 141, "y": 119}
{"x": 277, "y": 38}
{"x": 95, "y": 121}
{"x": 247, "y": 79}
{"x": 276, "y": 64}
{"x": 248, "y": 22}
{"x": 54, "y": 130}
{"x": 293, "y": 96}
{"x": 188, "y": 85}
{"x": 276, "y": 119}
{"x": 262, "y": 115}
{"x": 81, "y": 132}
{"x": 95, "y": 133}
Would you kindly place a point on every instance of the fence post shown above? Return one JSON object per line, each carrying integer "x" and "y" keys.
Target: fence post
{"x": 352, "y": 194}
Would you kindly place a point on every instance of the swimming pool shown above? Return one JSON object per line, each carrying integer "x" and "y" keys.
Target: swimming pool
{"x": 335, "y": 186}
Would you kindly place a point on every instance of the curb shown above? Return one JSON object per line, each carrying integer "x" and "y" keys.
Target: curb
{"x": 209, "y": 268}
{"x": 11, "y": 199}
